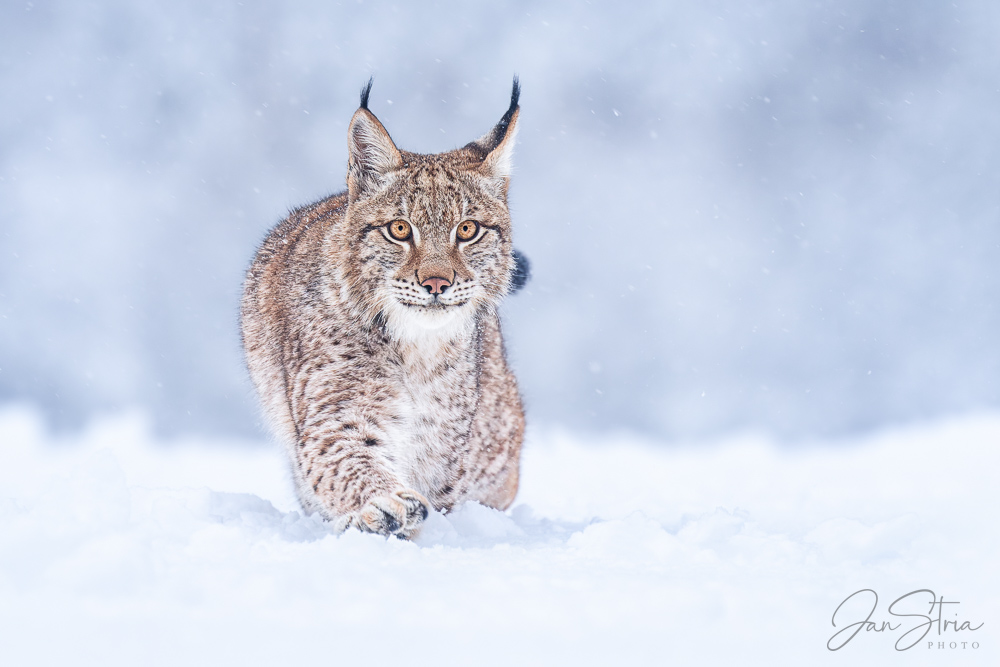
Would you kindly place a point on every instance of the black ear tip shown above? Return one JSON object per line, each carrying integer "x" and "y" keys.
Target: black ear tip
{"x": 515, "y": 93}
{"x": 366, "y": 91}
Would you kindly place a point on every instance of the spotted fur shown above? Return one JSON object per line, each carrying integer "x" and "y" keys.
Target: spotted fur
{"x": 391, "y": 399}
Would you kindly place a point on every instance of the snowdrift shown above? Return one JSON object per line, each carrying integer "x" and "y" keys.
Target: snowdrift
{"x": 119, "y": 548}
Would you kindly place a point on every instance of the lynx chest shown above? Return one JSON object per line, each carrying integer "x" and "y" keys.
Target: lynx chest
{"x": 433, "y": 408}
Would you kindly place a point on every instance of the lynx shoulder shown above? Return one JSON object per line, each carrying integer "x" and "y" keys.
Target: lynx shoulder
{"x": 370, "y": 330}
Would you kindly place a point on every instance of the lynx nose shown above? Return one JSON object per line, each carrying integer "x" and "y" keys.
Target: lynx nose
{"x": 436, "y": 285}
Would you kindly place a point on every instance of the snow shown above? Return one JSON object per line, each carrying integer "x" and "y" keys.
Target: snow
{"x": 122, "y": 548}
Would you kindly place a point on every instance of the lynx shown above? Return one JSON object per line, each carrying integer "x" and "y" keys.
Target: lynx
{"x": 370, "y": 329}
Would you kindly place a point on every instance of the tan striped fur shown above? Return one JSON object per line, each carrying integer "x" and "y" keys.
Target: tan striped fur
{"x": 389, "y": 398}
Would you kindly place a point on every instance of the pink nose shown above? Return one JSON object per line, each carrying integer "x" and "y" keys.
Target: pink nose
{"x": 436, "y": 285}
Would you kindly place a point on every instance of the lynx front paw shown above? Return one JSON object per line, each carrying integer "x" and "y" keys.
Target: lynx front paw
{"x": 398, "y": 514}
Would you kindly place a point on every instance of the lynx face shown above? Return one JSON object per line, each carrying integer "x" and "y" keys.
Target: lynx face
{"x": 426, "y": 240}
{"x": 434, "y": 247}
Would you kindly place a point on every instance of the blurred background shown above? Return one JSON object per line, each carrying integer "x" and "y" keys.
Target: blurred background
{"x": 741, "y": 214}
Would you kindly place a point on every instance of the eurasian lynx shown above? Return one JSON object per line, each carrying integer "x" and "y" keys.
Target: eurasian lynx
{"x": 370, "y": 329}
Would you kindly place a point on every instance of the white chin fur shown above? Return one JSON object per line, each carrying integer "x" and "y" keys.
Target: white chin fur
{"x": 419, "y": 325}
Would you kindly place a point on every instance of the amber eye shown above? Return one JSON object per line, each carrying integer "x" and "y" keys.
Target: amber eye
{"x": 467, "y": 230}
{"x": 399, "y": 230}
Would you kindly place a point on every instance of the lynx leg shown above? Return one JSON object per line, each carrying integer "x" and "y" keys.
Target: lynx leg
{"x": 352, "y": 485}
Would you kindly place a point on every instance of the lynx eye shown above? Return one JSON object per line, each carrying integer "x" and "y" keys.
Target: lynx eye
{"x": 399, "y": 230}
{"x": 467, "y": 230}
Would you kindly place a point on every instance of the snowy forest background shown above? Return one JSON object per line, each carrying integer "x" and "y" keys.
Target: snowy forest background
{"x": 769, "y": 216}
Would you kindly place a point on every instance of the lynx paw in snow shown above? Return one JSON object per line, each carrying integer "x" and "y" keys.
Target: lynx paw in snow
{"x": 398, "y": 514}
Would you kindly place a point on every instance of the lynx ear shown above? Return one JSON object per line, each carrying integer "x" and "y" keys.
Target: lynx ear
{"x": 371, "y": 153}
{"x": 498, "y": 143}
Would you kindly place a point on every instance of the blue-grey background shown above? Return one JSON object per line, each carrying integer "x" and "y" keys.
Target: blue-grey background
{"x": 741, "y": 214}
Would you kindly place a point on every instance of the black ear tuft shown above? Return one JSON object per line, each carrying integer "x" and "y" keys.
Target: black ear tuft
{"x": 367, "y": 89}
{"x": 498, "y": 165}
{"x": 515, "y": 95}
{"x": 522, "y": 267}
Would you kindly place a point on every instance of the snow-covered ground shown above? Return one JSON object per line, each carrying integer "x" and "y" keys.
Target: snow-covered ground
{"x": 117, "y": 548}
